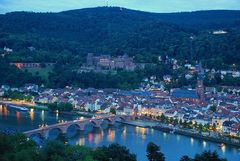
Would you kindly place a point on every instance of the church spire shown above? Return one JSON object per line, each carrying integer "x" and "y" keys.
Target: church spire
{"x": 200, "y": 85}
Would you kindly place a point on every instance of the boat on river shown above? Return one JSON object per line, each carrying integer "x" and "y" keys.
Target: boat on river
{"x": 19, "y": 108}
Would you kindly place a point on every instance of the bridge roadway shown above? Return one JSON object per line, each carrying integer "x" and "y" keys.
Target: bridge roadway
{"x": 80, "y": 124}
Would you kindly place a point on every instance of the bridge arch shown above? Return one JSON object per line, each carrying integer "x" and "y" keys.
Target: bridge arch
{"x": 87, "y": 126}
{"x": 120, "y": 118}
{"x": 99, "y": 123}
{"x": 72, "y": 129}
{"x": 109, "y": 120}
{"x": 77, "y": 126}
{"x": 50, "y": 132}
{"x": 38, "y": 134}
{"x": 95, "y": 123}
{"x": 57, "y": 128}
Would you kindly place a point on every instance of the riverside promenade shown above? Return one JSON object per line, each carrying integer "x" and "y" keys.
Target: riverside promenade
{"x": 197, "y": 135}
{"x": 157, "y": 125}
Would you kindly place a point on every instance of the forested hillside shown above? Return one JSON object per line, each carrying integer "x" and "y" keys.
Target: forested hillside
{"x": 67, "y": 37}
{"x": 117, "y": 31}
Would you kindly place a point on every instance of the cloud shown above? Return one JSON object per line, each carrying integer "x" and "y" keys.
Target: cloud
{"x": 145, "y": 5}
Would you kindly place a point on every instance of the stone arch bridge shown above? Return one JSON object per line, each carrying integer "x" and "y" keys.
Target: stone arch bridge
{"x": 80, "y": 124}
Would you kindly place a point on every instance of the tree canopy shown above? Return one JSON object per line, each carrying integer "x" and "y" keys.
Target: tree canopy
{"x": 153, "y": 152}
{"x": 65, "y": 38}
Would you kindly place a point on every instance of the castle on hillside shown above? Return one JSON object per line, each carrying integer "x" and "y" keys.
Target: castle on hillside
{"x": 108, "y": 62}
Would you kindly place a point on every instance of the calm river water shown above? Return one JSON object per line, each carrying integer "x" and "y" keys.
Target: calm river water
{"x": 134, "y": 138}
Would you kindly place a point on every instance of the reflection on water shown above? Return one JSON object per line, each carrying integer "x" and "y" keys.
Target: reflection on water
{"x": 223, "y": 148}
{"x": 18, "y": 116}
{"x": 97, "y": 138}
{"x": 204, "y": 144}
{"x": 11, "y": 118}
{"x": 111, "y": 135}
{"x": 164, "y": 135}
{"x": 31, "y": 113}
{"x": 132, "y": 138}
{"x": 90, "y": 138}
{"x": 5, "y": 111}
{"x": 124, "y": 133}
{"x": 81, "y": 141}
{"x": 141, "y": 132}
{"x": 178, "y": 137}
{"x": 42, "y": 115}
{"x": 102, "y": 133}
{"x": 56, "y": 115}
{"x": 152, "y": 131}
{"x": 192, "y": 141}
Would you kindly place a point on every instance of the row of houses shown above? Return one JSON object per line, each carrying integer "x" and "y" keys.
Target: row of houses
{"x": 154, "y": 101}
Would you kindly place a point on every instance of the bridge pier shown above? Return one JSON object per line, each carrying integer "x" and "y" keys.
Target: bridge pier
{"x": 81, "y": 126}
{"x": 45, "y": 134}
{"x": 63, "y": 129}
{"x": 97, "y": 123}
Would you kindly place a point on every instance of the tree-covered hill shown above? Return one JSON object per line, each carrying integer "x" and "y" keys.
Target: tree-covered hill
{"x": 66, "y": 38}
{"x": 116, "y": 31}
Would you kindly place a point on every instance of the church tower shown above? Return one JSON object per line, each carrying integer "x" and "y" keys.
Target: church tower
{"x": 200, "y": 85}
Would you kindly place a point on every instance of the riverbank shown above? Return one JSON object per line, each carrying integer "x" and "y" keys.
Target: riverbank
{"x": 186, "y": 132}
{"x": 74, "y": 113}
{"x": 140, "y": 123}
{"x": 25, "y": 104}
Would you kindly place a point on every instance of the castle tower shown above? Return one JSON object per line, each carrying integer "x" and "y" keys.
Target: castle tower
{"x": 200, "y": 85}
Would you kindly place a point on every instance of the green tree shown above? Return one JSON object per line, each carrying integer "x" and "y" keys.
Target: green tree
{"x": 189, "y": 124}
{"x": 153, "y": 152}
{"x": 213, "y": 108}
{"x": 200, "y": 127}
{"x": 113, "y": 111}
{"x": 175, "y": 121}
{"x": 62, "y": 106}
{"x": 52, "y": 151}
{"x": 185, "y": 124}
{"x": 195, "y": 125}
{"x": 171, "y": 120}
{"x": 180, "y": 122}
{"x": 17, "y": 148}
{"x": 114, "y": 152}
{"x": 206, "y": 127}
{"x": 163, "y": 118}
{"x": 53, "y": 106}
{"x": 186, "y": 158}
{"x": 208, "y": 156}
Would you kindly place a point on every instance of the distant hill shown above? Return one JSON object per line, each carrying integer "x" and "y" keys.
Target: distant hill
{"x": 116, "y": 31}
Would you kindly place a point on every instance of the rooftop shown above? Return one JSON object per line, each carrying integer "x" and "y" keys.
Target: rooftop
{"x": 184, "y": 93}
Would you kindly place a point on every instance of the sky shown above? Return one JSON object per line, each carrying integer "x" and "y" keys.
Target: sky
{"x": 159, "y": 6}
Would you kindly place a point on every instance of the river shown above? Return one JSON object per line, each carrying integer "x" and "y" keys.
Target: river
{"x": 135, "y": 138}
